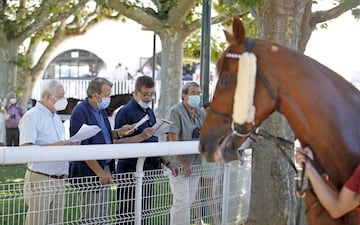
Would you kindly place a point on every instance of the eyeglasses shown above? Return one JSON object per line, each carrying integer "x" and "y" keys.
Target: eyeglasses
{"x": 147, "y": 94}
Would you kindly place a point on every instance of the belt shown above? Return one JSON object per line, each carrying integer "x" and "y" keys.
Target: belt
{"x": 48, "y": 175}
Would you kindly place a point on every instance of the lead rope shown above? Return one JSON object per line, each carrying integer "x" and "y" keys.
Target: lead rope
{"x": 284, "y": 144}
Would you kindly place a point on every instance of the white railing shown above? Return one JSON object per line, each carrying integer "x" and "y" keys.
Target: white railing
{"x": 231, "y": 187}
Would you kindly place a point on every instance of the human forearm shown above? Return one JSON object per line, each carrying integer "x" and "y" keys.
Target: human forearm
{"x": 133, "y": 139}
{"x": 104, "y": 176}
{"x": 326, "y": 195}
{"x": 95, "y": 167}
{"x": 121, "y": 132}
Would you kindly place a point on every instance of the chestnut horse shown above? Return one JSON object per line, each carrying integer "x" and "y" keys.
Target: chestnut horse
{"x": 322, "y": 108}
{"x": 115, "y": 102}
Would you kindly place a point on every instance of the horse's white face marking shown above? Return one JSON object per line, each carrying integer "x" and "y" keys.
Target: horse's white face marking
{"x": 244, "y": 110}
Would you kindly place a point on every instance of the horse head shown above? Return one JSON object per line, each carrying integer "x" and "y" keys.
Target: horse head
{"x": 235, "y": 109}
{"x": 256, "y": 78}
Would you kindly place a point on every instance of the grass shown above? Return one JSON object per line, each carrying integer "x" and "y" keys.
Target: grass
{"x": 12, "y": 173}
{"x": 11, "y": 184}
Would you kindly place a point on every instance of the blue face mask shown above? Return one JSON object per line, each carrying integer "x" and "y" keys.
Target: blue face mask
{"x": 194, "y": 101}
{"x": 144, "y": 105}
{"x": 105, "y": 102}
{"x": 29, "y": 106}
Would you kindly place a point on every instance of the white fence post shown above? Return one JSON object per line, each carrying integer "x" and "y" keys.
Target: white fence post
{"x": 138, "y": 189}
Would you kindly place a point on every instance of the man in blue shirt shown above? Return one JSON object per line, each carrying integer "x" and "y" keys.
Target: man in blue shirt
{"x": 131, "y": 113}
{"x": 95, "y": 175}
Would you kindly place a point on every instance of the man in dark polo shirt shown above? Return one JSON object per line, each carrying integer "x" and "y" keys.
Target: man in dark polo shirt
{"x": 131, "y": 113}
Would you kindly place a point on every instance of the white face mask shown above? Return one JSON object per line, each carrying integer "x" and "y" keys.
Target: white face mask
{"x": 12, "y": 100}
{"x": 144, "y": 105}
{"x": 61, "y": 104}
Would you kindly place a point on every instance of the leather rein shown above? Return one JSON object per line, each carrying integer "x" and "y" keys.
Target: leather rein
{"x": 282, "y": 143}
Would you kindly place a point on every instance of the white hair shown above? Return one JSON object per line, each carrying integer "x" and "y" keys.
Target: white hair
{"x": 49, "y": 87}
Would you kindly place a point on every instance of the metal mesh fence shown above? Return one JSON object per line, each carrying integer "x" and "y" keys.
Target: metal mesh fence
{"x": 133, "y": 198}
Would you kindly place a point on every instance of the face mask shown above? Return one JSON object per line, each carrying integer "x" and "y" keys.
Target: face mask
{"x": 29, "y": 106}
{"x": 105, "y": 102}
{"x": 194, "y": 100}
{"x": 12, "y": 100}
{"x": 144, "y": 105}
{"x": 61, "y": 104}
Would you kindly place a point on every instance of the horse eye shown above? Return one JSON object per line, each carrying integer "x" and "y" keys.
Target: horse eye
{"x": 225, "y": 81}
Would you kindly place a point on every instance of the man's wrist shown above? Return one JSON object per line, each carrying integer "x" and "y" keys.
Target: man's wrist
{"x": 117, "y": 133}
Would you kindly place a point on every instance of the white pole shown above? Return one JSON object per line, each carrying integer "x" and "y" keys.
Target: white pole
{"x": 226, "y": 191}
{"x": 138, "y": 189}
{"x": 34, "y": 153}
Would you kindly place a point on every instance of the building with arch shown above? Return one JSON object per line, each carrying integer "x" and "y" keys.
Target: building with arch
{"x": 75, "y": 64}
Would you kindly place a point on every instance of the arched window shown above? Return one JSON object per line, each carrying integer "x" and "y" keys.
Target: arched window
{"x": 75, "y": 64}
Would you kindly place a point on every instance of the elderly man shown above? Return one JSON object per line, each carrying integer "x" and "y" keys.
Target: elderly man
{"x": 44, "y": 186}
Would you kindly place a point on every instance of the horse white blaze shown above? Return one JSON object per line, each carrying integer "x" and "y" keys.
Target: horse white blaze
{"x": 244, "y": 110}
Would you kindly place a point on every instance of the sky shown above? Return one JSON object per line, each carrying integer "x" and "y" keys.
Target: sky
{"x": 338, "y": 47}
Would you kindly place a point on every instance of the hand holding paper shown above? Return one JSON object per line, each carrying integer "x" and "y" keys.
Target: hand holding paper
{"x": 143, "y": 120}
{"x": 85, "y": 132}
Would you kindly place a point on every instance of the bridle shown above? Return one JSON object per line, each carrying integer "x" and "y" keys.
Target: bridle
{"x": 239, "y": 130}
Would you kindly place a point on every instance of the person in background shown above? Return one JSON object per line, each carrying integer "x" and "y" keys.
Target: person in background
{"x": 187, "y": 120}
{"x": 92, "y": 177}
{"x": 44, "y": 185}
{"x": 206, "y": 186}
{"x": 337, "y": 203}
{"x": 119, "y": 73}
{"x": 31, "y": 103}
{"x": 3, "y": 116}
{"x": 132, "y": 112}
{"x": 14, "y": 112}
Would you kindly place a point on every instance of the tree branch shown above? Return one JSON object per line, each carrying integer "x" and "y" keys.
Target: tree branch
{"x": 53, "y": 44}
{"x": 177, "y": 14}
{"x": 322, "y": 16}
{"x": 79, "y": 25}
{"x": 214, "y": 20}
{"x": 46, "y": 20}
{"x": 136, "y": 14}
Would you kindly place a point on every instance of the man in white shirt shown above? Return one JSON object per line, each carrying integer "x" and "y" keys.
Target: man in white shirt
{"x": 119, "y": 73}
{"x": 44, "y": 186}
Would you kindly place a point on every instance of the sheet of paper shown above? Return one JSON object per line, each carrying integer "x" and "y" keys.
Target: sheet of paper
{"x": 85, "y": 132}
{"x": 143, "y": 120}
{"x": 161, "y": 127}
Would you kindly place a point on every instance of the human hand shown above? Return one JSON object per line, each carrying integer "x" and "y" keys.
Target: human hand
{"x": 174, "y": 169}
{"x": 105, "y": 178}
{"x": 187, "y": 170}
{"x": 302, "y": 155}
{"x": 126, "y": 130}
{"x": 147, "y": 132}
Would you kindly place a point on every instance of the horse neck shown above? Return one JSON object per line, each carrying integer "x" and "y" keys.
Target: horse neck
{"x": 322, "y": 110}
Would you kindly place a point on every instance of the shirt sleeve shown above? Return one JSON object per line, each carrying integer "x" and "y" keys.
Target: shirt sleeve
{"x": 77, "y": 119}
{"x": 27, "y": 128}
{"x": 353, "y": 184}
{"x": 174, "y": 117}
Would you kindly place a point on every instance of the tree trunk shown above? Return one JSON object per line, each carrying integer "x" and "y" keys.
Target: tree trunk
{"x": 171, "y": 58}
{"x": 38, "y": 68}
{"x": 273, "y": 198}
{"x": 8, "y": 53}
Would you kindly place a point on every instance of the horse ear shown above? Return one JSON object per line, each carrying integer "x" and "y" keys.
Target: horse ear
{"x": 239, "y": 33}
{"x": 229, "y": 37}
